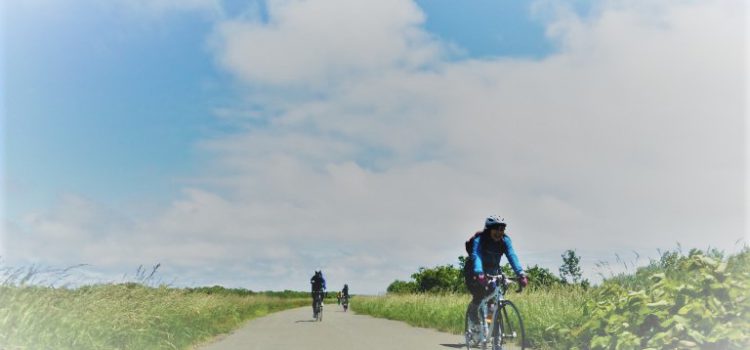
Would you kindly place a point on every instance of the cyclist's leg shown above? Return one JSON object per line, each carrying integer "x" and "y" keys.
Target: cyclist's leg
{"x": 476, "y": 290}
{"x": 313, "y": 303}
{"x": 478, "y": 293}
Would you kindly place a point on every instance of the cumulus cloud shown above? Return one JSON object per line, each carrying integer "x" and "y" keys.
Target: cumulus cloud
{"x": 313, "y": 43}
{"x": 637, "y": 116}
{"x": 379, "y": 152}
{"x": 630, "y": 136}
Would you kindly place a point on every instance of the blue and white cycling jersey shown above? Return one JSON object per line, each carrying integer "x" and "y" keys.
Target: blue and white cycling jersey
{"x": 486, "y": 254}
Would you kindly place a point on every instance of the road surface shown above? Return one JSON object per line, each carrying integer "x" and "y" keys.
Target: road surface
{"x": 295, "y": 329}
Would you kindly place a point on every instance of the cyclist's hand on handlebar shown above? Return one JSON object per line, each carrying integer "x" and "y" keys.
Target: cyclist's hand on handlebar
{"x": 482, "y": 279}
{"x": 523, "y": 281}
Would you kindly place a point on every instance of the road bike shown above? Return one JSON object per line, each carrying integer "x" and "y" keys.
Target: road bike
{"x": 500, "y": 323}
{"x": 345, "y": 302}
{"x": 318, "y": 305}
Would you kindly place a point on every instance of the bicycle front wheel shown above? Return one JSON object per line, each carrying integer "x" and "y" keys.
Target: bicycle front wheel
{"x": 509, "y": 332}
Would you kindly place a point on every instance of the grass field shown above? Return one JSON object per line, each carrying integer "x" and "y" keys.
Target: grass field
{"x": 695, "y": 301}
{"x": 541, "y": 309}
{"x": 125, "y": 316}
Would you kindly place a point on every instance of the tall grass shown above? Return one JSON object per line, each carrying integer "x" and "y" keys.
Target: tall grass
{"x": 123, "y": 316}
{"x": 543, "y": 308}
{"x": 702, "y": 299}
{"x": 442, "y": 312}
{"x": 540, "y": 309}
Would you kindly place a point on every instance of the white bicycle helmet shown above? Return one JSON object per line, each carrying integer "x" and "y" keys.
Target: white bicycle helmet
{"x": 494, "y": 221}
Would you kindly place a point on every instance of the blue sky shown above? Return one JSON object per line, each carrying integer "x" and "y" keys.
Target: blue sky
{"x": 488, "y": 28}
{"x": 226, "y": 138}
{"x": 126, "y": 97}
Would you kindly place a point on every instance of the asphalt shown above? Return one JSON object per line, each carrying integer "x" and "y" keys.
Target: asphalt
{"x": 296, "y": 329}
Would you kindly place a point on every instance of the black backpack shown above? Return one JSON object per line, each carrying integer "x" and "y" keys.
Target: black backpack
{"x": 317, "y": 281}
{"x": 470, "y": 242}
{"x": 317, "y": 284}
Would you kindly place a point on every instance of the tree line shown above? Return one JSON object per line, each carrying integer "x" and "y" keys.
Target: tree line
{"x": 450, "y": 279}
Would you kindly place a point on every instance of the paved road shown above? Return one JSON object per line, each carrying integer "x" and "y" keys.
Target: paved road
{"x": 295, "y": 329}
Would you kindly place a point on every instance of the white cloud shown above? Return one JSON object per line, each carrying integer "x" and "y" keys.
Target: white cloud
{"x": 630, "y": 136}
{"x": 316, "y": 43}
{"x": 380, "y": 155}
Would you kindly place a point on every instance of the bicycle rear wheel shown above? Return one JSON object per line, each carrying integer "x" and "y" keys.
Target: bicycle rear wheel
{"x": 318, "y": 307}
{"x": 320, "y": 310}
{"x": 509, "y": 328}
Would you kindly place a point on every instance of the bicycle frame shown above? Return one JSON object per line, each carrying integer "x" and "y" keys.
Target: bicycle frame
{"x": 497, "y": 296}
{"x": 345, "y": 302}
{"x": 318, "y": 297}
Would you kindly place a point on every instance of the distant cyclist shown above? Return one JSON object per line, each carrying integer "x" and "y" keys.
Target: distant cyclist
{"x": 318, "y": 284}
{"x": 485, "y": 250}
{"x": 345, "y": 291}
{"x": 345, "y": 297}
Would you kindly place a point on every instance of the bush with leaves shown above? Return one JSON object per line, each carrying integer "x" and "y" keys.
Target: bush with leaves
{"x": 439, "y": 279}
{"x": 705, "y": 307}
{"x": 402, "y": 287}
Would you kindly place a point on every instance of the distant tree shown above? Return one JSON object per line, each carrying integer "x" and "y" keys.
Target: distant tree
{"x": 462, "y": 262}
{"x": 570, "y": 270}
{"x": 402, "y": 287}
{"x": 541, "y": 277}
{"x": 439, "y": 279}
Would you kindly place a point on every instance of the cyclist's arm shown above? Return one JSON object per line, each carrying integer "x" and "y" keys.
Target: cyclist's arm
{"x": 512, "y": 257}
{"x": 476, "y": 256}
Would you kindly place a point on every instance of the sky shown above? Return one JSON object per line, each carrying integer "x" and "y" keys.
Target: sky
{"x": 248, "y": 143}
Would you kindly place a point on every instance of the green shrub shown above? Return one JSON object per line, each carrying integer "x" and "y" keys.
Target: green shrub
{"x": 402, "y": 287}
{"x": 540, "y": 277}
{"x": 695, "y": 301}
{"x": 704, "y": 306}
{"x": 439, "y": 279}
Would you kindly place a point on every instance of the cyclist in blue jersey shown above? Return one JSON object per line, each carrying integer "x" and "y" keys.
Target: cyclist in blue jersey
{"x": 485, "y": 250}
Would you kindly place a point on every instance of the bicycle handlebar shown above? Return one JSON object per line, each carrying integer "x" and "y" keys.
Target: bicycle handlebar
{"x": 507, "y": 280}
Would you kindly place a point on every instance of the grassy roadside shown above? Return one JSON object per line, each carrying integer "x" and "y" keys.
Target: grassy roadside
{"x": 695, "y": 301}
{"x": 540, "y": 308}
{"x": 124, "y": 316}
